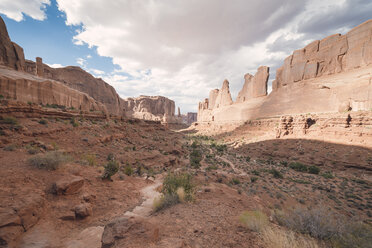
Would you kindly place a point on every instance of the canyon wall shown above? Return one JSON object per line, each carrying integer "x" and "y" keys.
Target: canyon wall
{"x": 158, "y": 108}
{"x": 329, "y": 75}
{"x": 25, "y": 80}
{"x": 27, "y": 88}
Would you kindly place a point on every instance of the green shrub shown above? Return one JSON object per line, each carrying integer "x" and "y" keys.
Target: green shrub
{"x": 10, "y": 148}
{"x": 43, "y": 122}
{"x": 10, "y": 120}
{"x": 255, "y": 172}
{"x": 255, "y": 220}
{"x": 319, "y": 222}
{"x": 165, "y": 201}
{"x": 110, "y": 157}
{"x": 297, "y": 166}
{"x": 49, "y": 161}
{"x": 235, "y": 181}
{"x": 176, "y": 188}
{"x": 195, "y": 158}
{"x": 247, "y": 159}
{"x": 111, "y": 168}
{"x": 128, "y": 170}
{"x": 327, "y": 175}
{"x": 254, "y": 179}
{"x": 32, "y": 149}
{"x": 276, "y": 173}
{"x": 355, "y": 235}
{"x": 211, "y": 167}
{"x": 74, "y": 122}
{"x": 314, "y": 169}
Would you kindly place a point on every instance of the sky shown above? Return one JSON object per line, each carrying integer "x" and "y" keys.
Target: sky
{"x": 180, "y": 49}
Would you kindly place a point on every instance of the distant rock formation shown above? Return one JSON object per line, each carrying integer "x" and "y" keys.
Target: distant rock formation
{"x": 71, "y": 86}
{"x": 329, "y": 75}
{"x": 254, "y": 86}
{"x": 191, "y": 118}
{"x": 157, "y": 108}
{"x": 333, "y": 54}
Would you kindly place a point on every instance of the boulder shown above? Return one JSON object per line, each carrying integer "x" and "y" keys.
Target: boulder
{"x": 116, "y": 229}
{"x": 68, "y": 185}
{"x": 90, "y": 237}
{"x": 20, "y": 218}
{"x": 83, "y": 210}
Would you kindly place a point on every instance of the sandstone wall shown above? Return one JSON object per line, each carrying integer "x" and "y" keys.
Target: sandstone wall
{"x": 11, "y": 54}
{"x": 330, "y": 75}
{"x": 334, "y": 54}
{"x": 25, "y": 88}
{"x": 156, "y": 108}
{"x": 83, "y": 87}
{"x": 254, "y": 86}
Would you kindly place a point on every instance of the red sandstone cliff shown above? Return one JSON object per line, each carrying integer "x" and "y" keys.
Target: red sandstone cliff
{"x": 28, "y": 81}
{"x": 330, "y": 75}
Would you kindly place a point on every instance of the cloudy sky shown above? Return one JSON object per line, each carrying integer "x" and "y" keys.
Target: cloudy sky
{"x": 176, "y": 48}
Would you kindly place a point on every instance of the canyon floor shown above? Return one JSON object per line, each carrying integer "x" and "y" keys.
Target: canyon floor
{"x": 233, "y": 172}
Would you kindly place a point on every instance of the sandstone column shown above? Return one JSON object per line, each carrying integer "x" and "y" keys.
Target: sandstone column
{"x": 39, "y": 67}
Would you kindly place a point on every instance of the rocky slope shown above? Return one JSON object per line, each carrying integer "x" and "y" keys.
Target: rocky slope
{"x": 330, "y": 75}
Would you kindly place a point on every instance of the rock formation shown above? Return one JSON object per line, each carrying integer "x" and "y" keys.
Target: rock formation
{"x": 223, "y": 97}
{"x": 191, "y": 117}
{"x": 156, "y": 108}
{"x": 11, "y": 54}
{"x": 70, "y": 86}
{"x": 333, "y": 54}
{"x": 329, "y": 75}
{"x": 254, "y": 86}
{"x": 24, "y": 87}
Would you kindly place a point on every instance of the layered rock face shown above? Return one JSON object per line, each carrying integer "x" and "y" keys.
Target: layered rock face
{"x": 11, "y": 54}
{"x": 333, "y": 54}
{"x": 156, "y": 108}
{"x": 76, "y": 78}
{"x": 25, "y": 88}
{"x": 223, "y": 97}
{"x": 330, "y": 75}
{"x": 70, "y": 86}
{"x": 254, "y": 86}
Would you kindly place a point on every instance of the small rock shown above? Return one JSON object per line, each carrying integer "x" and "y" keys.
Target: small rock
{"x": 68, "y": 186}
{"x": 83, "y": 210}
{"x": 90, "y": 237}
{"x": 67, "y": 215}
{"x": 88, "y": 197}
{"x": 115, "y": 230}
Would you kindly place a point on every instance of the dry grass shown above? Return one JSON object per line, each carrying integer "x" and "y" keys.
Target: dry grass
{"x": 277, "y": 238}
{"x": 256, "y": 220}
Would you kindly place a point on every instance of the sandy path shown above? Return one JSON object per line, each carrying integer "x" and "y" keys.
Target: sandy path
{"x": 149, "y": 194}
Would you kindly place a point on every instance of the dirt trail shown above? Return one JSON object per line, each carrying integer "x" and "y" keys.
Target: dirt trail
{"x": 149, "y": 194}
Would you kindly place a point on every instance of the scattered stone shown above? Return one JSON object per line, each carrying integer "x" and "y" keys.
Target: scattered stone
{"x": 88, "y": 238}
{"x": 68, "y": 185}
{"x": 115, "y": 230}
{"x": 83, "y": 210}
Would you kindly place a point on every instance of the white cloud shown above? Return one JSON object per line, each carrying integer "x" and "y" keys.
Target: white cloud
{"x": 82, "y": 62}
{"x": 15, "y": 9}
{"x": 56, "y": 65}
